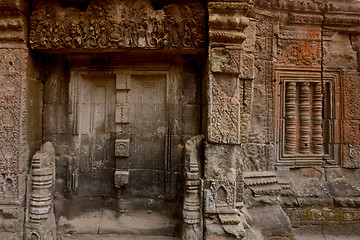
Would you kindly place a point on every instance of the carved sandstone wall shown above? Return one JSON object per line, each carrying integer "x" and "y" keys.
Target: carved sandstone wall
{"x": 306, "y": 53}
{"x": 280, "y": 106}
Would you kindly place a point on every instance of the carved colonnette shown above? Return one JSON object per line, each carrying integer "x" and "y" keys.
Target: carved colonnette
{"x": 192, "y": 208}
{"x": 116, "y": 25}
{"x": 40, "y": 219}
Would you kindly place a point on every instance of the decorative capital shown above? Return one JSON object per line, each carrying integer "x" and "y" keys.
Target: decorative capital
{"x": 227, "y": 21}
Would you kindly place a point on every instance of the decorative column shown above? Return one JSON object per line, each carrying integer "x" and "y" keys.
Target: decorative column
{"x": 229, "y": 101}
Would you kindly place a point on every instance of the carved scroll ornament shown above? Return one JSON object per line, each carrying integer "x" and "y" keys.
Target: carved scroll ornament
{"x": 118, "y": 24}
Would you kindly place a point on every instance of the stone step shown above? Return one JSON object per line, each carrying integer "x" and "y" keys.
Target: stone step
{"x": 112, "y": 237}
{"x": 129, "y": 224}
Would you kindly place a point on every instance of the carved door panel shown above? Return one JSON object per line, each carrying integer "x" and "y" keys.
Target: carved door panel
{"x": 122, "y": 126}
{"x": 148, "y": 135}
{"x": 95, "y": 128}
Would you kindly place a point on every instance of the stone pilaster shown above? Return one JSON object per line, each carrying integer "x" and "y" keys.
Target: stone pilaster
{"x": 17, "y": 139}
{"x": 229, "y": 100}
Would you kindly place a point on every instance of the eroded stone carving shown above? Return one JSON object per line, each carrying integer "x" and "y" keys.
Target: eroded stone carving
{"x": 122, "y": 148}
{"x": 220, "y": 199}
{"x": 40, "y": 219}
{"x": 225, "y": 114}
{"x": 262, "y": 184}
{"x": 192, "y": 210}
{"x": 113, "y": 24}
{"x": 254, "y": 157}
{"x": 351, "y": 156}
{"x": 72, "y": 175}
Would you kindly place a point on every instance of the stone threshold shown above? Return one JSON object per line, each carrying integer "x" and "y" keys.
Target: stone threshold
{"x": 107, "y": 224}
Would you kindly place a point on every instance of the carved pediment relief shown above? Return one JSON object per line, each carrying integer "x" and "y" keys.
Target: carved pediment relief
{"x": 118, "y": 24}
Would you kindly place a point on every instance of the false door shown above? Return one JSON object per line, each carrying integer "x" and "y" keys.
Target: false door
{"x": 142, "y": 130}
{"x": 93, "y": 95}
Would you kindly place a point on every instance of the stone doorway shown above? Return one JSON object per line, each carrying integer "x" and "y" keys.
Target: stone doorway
{"x": 120, "y": 163}
{"x": 122, "y": 122}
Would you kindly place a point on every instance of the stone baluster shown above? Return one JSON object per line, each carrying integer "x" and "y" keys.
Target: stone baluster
{"x": 304, "y": 117}
{"x": 317, "y": 134}
{"x": 290, "y": 118}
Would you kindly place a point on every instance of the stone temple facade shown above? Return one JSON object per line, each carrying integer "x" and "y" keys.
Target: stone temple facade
{"x": 179, "y": 119}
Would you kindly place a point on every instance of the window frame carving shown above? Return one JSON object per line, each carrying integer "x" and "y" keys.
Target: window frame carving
{"x": 331, "y": 115}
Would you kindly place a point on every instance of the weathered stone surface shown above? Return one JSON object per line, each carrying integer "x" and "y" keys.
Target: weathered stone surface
{"x": 192, "y": 208}
{"x": 20, "y": 117}
{"x": 116, "y": 87}
{"x": 40, "y": 218}
{"x": 272, "y": 222}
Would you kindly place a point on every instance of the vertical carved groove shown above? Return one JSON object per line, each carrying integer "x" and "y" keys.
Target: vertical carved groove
{"x": 317, "y": 134}
{"x": 290, "y": 118}
{"x": 304, "y": 116}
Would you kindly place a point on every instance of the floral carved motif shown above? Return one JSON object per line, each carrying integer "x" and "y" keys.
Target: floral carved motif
{"x": 300, "y": 53}
{"x": 110, "y": 24}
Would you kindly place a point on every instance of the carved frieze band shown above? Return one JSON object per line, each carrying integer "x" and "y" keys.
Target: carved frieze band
{"x": 310, "y": 6}
{"x": 118, "y": 24}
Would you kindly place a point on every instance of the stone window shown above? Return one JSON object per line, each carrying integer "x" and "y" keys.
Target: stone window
{"x": 307, "y": 112}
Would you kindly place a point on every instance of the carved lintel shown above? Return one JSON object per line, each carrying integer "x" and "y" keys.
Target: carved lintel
{"x": 135, "y": 25}
{"x": 299, "y": 53}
